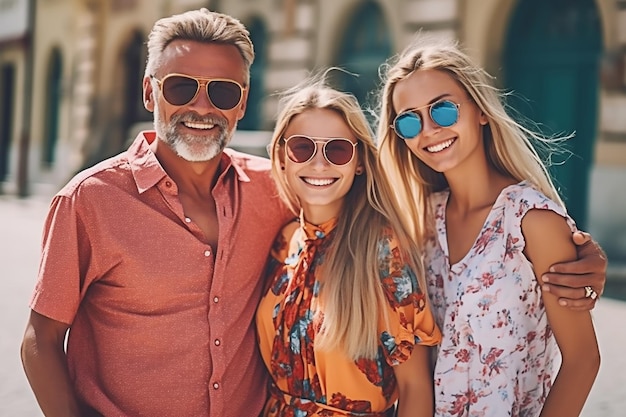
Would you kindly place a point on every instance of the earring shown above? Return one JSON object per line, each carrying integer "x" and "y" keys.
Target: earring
{"x": 359, "y": 171}
{"x": 282, "y": 167}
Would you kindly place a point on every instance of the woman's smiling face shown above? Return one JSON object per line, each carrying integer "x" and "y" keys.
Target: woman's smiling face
{"x": 441, "y": 148}
{"x": 320, "y": 186}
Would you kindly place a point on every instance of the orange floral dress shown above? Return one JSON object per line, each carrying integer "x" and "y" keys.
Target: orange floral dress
{"x": 309, "y": 382}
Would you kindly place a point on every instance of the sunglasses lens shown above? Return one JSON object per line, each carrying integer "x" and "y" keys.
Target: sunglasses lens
{"x": 408, "y": 125}
{"x": 179, "y": 90}
{"x": 339, "y": 151}
{"x": 224, "y": 95}
{"x": 300, "y": 149}
{"x": 444, "y": 113}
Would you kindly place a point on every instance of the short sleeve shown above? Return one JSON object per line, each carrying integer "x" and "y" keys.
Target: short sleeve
{"x": 64, "y": 259}
{"x": 520, "y": 199}
{"x": 410, "y": 318}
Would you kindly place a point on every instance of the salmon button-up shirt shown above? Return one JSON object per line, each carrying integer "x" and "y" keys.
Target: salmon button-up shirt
{"x": 161, "y": 322}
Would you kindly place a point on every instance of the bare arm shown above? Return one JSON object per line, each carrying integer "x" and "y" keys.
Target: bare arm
{"x": 567, "y": 280}
{"x": 415, "y": 384}
{"x": 44, "y": 361}
{"x": 548, "y": 241}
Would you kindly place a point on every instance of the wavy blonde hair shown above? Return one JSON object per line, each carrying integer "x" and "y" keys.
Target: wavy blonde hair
{"x": 352, "y": 293}
{"x": 200, "y": 25}
{"x": 508, "y": 144}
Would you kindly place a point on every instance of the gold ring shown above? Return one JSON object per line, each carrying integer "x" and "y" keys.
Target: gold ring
{"x": 590, "y": 293}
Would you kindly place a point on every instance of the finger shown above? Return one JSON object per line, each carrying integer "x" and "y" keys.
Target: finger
{"x": 560, "y": 282}
{"x": 584, "y": 265}
{"x": 590, "y": 248}
{"x": 573, "y": 298}
{"x": 591, "y": 260}
{"x": 580, "y": 238}
{"x": 584, "y": 304}
{"x": 564, "y": 278}
{"x": 570, "y": 293}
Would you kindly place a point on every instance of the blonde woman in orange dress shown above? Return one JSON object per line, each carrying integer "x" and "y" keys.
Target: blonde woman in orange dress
{"x": 345, "y": 326}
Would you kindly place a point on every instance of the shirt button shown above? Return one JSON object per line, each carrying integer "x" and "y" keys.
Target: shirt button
{"x": 168, "y": 183}
{"x": 217, "y": 342}
{"x": 216, "y": 385}
{"x": 216, "y": 299}
{"x": 207, "y": 253}
{"x": 187, "y": 220}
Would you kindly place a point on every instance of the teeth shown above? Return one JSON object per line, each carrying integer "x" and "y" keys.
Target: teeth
{"x": 318, "y": 181}
{"x": 195, "y": 125}
{"x": 440, "y": 147}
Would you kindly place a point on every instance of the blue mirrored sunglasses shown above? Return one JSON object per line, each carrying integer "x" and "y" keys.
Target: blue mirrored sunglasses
{"x": 408, "y": 124}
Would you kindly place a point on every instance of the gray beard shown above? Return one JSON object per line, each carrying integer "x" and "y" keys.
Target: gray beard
{"x": 193, "y": 148}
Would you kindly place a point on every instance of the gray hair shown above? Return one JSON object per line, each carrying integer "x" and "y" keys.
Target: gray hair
{"x": 200, "y": 25}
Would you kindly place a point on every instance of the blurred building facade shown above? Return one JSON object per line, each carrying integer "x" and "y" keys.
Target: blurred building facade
{"x": 71, "y": 74}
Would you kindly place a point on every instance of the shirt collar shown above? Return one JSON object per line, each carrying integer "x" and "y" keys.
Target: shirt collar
{"x": 144, "y": 164}
{"x": 148, "y": 171}
{"x": 237, "y": 161}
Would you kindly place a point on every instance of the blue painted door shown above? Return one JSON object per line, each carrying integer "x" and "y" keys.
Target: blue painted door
{"x": 253, "y": 119}
{"x": 551, "y": 57}
{"x": 366, "y": 44}
{"x": 7, "y": 98}
{"x": 53, "y": 105}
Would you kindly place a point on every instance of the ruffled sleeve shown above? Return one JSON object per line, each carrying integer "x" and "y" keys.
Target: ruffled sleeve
{"x": 410, "y": 319}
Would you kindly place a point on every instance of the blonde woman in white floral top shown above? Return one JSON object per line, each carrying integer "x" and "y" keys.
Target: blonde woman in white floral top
{"x": 496, "y": 225}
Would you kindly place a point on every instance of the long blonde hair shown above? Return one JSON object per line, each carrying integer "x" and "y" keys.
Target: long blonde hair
{"x": 508, "y": 144}
{"x": 351, "y": 294}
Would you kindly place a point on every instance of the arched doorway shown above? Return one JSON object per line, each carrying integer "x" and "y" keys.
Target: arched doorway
{"x": 53, "y": 105}
{"x": 365, "y": 45}
{"x": 552, "y": 56}
{"x": 253, "y": 119}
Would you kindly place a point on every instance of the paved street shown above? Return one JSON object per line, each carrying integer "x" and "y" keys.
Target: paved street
{"x": 20, "y": 232}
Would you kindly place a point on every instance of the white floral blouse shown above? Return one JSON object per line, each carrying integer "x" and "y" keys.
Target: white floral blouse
{"x": 498, "y": 356}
